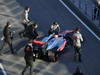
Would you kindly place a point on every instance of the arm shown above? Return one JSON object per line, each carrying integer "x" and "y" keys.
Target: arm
{"x": 58, "y": 29}
{"x": 81, "y": 38}
{"x": 26, "y": 16}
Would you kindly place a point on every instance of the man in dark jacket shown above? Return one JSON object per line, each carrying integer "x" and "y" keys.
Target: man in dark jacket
{"x": 29, "y": 57}
{"x": 31, "y": 31}
{"x": 55, "y": 28}
{"x": 8, "y": 36}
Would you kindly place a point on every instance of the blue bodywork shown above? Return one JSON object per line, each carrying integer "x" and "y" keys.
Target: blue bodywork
{"x": 51, "y": 45}
{"x": 47, "y": 38}
{"x": 55, "y": 43}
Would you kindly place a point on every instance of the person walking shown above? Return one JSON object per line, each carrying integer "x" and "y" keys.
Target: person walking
{"x": 25, "y": 20}
{"x": 95, "y": 13}
{"x": 29, "y": 58}
{"x": 25, "y": 16}
{"x": 8, "y": 37}
{"x": 77, "y": 39}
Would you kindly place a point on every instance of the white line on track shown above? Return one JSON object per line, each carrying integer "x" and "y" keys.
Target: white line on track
{"x": 3, "y": 70}
{"x": 79, "y": 19}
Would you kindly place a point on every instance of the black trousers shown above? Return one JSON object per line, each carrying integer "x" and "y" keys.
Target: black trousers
{"x": 29, "y": 64}
{"x": 9, "y": 42}
{"x": 77, "y": 54}
{"x": 22, "y": 33}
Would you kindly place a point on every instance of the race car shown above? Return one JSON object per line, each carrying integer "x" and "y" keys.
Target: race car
{"x": 50, "y": 46}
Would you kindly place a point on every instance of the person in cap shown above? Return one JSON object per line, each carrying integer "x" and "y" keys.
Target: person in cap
{"x": 55, "y": 28}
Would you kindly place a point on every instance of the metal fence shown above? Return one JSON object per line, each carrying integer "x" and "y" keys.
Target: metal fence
{"x": 89, "y": 9}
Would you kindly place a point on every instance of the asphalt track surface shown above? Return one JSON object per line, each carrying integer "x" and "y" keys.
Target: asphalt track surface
{"x": 44, "y": 12}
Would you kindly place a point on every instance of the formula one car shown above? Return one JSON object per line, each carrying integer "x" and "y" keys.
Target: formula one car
{"x": 51, "y": 46}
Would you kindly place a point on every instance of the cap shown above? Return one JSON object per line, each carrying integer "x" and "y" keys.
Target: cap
{"x": 55, "y": 23}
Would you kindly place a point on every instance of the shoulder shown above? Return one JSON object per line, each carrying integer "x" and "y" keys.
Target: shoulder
{"x": 58, "y": 26}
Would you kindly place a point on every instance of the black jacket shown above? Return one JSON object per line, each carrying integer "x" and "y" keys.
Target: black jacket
{"x": 31, "y": 32}
{"x": 28, "y": 51}
{"x": 7, "y": 33}
{"x": 56, "y": 31}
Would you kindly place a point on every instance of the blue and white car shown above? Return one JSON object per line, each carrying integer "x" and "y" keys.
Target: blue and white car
{"x": 51, "y": 46}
